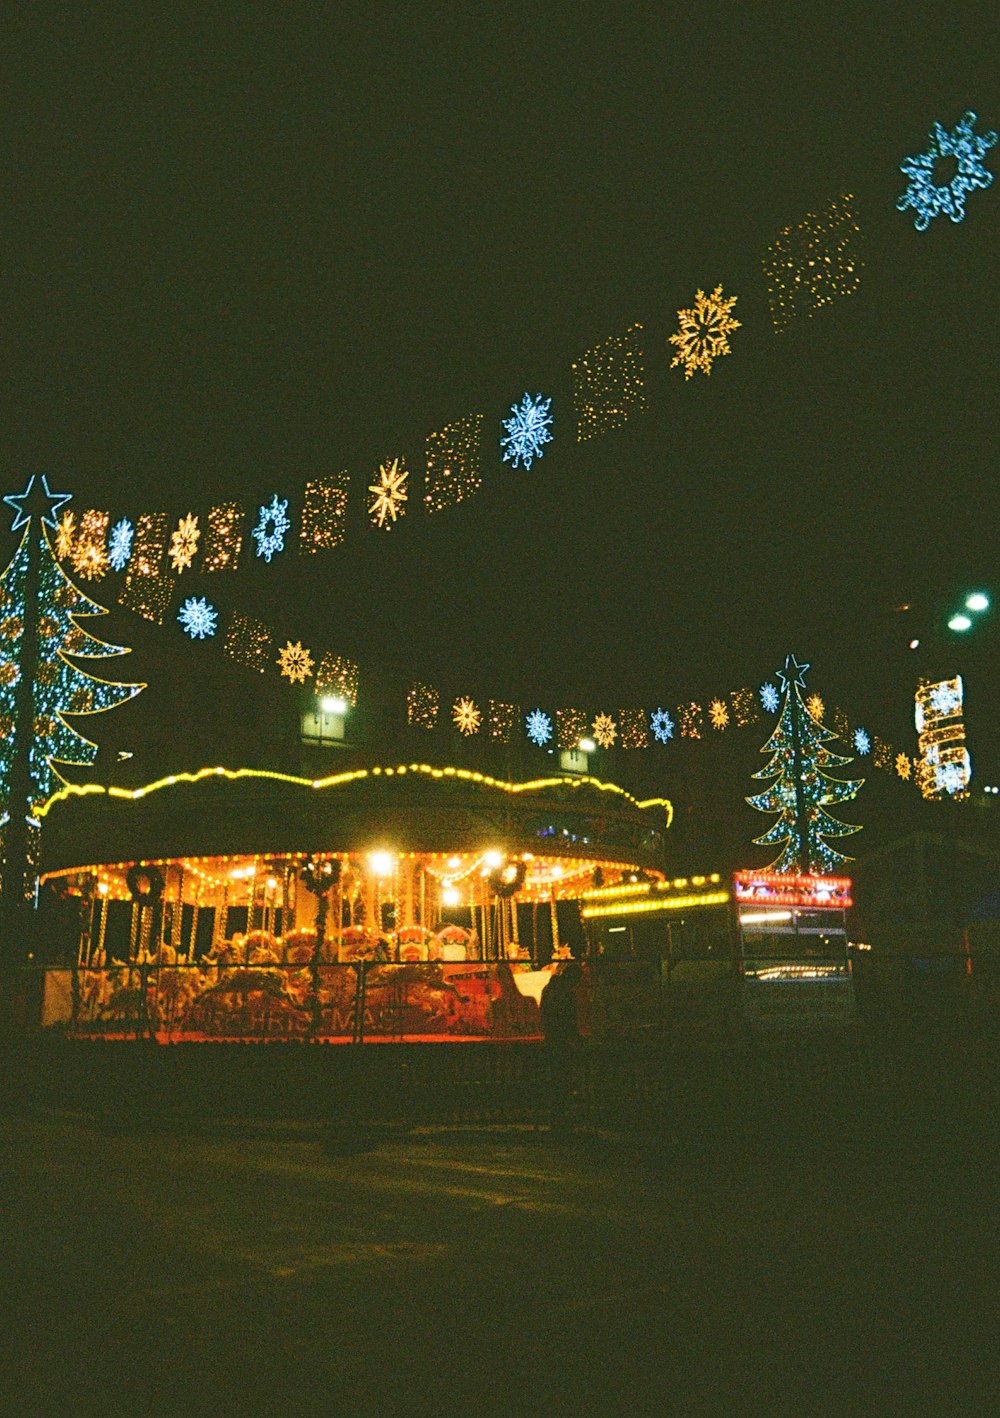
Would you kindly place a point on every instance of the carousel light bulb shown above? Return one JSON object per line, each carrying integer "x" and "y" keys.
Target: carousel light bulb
{"x": 450, "y": 896}
{"x": 492, "y": 858}
{"x": 454, "y": 863}
{"x": 382, "y": 863}
{"x": 103, "y": 888}
{"x": 272, "y": 883}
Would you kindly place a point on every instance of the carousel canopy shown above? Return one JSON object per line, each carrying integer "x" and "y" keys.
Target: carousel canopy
{"x": 412, "y": 808}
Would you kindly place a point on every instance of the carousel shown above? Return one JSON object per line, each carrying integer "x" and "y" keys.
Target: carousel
{"x": 382, "y": 903}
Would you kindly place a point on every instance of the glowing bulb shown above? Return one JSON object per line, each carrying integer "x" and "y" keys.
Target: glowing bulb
{"x": 587, "y": 745}
{"x": 331, "y": 704}
{"x": 914, "y": 644}
{"x": 102, "y": 887}
{"x": 382, "y": 863}
{"x": 977, "y": 602}
{"x": 450, "y": 896}
{"x": 492, "y": 859}
{"x": 454, "y": 863}
{"x": 272, "y": 882}
{"x": 959, "y": 622}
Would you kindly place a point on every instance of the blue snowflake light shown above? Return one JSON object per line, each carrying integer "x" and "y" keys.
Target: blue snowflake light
{"x": 120, "y": 544}
{"x": 862, "y": 743}
{"x": 528, "y": 429}
{"x": 539, "y": 727}
{"x": 960, "y": 148}
{"x": 197, "y": 617}
{"x": 769, "y": 698}
{"x": 661, "y": 726}
{"x": 272, "y": 524}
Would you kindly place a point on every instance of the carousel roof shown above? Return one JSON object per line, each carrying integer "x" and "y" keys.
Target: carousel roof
{"x": 412, "y": 807}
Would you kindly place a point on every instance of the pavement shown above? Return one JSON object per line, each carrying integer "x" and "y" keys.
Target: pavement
{"x": 292, "y": 1270}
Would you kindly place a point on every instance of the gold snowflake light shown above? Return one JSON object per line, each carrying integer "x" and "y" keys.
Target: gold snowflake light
{"x": 816, "y": 707}
{"x": 605, "y": 730}
{"x": 704, "y": 332}
{"x": 295, "y": 663}
{"x": 65, "y": 533}
{"x": 718, "y": 714}
{"x": 389, "y": 493}
{"x": 903, "y": 766}
{"x": 466, "y": 716}
{"x": 184, "y": 543}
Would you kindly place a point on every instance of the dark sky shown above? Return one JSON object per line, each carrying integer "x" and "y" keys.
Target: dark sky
{"x": 241, "y": 246}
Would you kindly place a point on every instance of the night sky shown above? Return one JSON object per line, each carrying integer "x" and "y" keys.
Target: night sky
{"x": 240, "y": 250}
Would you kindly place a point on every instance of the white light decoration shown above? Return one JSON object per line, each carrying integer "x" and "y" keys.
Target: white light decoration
{"x": 944, "y": 768}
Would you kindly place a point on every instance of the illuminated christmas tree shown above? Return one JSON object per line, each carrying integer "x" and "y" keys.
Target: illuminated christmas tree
{"x": 43, "y": 689}
{"x": 801, "y": 791}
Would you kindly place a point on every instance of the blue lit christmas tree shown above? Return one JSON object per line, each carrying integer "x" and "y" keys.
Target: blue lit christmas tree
{"x": 43, "y": 686}
{"x": 801, "y": 791}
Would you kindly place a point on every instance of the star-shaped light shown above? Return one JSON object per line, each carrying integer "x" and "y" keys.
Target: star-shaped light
{"x": 36, "y": 499}
{"x": 793, "y": 673}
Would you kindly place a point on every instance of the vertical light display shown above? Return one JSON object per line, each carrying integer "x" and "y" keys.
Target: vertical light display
{"x": 223, "y": 537}
{"x": 945, "y": 769}
{"x": 745, "y": 711}
{"x": 815, "y": 262}
{"x": 423, "y": 703}
{"x": 453, "y": 463}
{"x": 503, "y": 720}
{"x": 248, "y": 642}
{"x": 90, "y": 552}
{"x": 324, "y": 513}
{"x": 338, "y": 676}
{"x": 571, "y": 727}
{"x": 609, "y": 384}
{"x": 632, "y": 726}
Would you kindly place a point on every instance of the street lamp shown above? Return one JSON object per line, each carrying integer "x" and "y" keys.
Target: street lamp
{"x": 960, "y": 622}
{"x": 977, "y": 601}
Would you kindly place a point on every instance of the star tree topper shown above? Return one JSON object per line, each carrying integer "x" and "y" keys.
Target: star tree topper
{"x": 36, "y": 500}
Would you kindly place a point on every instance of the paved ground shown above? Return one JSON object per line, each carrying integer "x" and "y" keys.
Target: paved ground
{"x": 181, "y": 1273}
